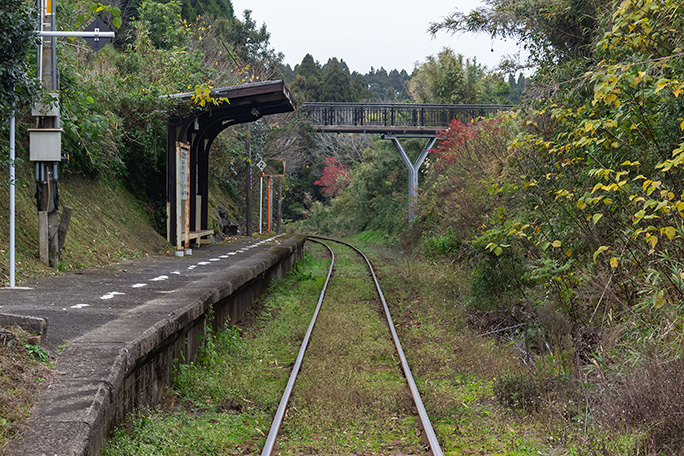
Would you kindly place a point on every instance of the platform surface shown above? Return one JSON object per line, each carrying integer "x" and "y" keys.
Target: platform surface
{"x": 77, "y": 302}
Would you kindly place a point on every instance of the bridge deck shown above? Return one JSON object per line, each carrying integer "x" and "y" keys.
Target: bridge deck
{"x": 393, "y": 118}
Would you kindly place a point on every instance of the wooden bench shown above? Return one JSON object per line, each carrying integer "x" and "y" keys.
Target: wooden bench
{"x": 196, "y": 237}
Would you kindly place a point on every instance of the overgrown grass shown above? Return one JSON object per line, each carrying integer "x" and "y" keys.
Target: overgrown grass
{"x": 456, "y": 371}
{"x": 350, "y": 394}
{"x": 480, "y": 395}
{"x": 24, "y": 372}
{"x": 224, "y": 403}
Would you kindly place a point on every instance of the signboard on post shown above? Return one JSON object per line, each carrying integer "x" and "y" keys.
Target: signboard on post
{"x": 182, "y": 202}
{"x": 97, "y": 42}
{"x": 261, "y": 165}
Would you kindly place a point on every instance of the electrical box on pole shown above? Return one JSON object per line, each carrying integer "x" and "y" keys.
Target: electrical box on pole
{"x": 45, "y": 144}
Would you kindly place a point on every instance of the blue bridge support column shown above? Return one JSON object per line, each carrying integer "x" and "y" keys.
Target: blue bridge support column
{"x": 413, "y": 168}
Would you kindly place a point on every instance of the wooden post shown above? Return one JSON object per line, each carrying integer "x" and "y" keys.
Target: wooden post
{"x": 43, "y": 237}
{"x": 64, "y": 221}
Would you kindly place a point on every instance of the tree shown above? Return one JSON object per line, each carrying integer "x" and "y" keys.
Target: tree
{"x": 307, "y": 79}
{"x": 288, "y": 74}
{"x": 217, "y": 8}
{"x": 336, "y": 84}
{"x": 162, "y": 22}
{"x": 335, "y": 176}
{"x": 447, "y": 78}
{"x": 378, "y": 81}
{"x": 553, "y": 31}
{"x": 17, "y": 35}
{"x": 359, "y": 88}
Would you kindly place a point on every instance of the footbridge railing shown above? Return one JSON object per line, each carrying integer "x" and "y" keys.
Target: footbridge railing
{"x": 393, "y": 117}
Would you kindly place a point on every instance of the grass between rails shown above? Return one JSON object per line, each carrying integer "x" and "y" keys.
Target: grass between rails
{"x": 224, "y": 404}
{"x": 456, "y": 371}
{"x": 350, "y": 396}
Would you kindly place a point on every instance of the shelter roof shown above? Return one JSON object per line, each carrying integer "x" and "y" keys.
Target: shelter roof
{"x": 248, "y": 102}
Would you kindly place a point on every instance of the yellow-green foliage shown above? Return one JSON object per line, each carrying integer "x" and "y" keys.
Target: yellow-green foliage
{"x": 581, "y": 243}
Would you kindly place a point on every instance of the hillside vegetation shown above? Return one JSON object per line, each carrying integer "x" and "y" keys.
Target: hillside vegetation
{"x": 569, "y": 213}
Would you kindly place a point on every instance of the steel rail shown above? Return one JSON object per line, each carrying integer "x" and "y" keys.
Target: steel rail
{"x": 422, "y": 413}
{"x": 280, "y": 413}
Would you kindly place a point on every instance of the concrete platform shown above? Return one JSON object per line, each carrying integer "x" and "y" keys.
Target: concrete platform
{"x": 122, "y": 327}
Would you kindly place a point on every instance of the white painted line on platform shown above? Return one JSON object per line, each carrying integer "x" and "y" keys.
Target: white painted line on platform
{"x": 192, "y": 267}
{"x": 203, "y": 263}
{"x": 214, "y": 259}
{"x": 223, "y": 256}
{"x": 80, "y": 306}
{"x": 176, "y": 272}
{"x": 138, "y": 285}
{"x": 111, "y": 294}
{"x": 233, "y": 253}
{"x": 160, "y": 278}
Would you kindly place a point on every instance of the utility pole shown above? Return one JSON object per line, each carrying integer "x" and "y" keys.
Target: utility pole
{"x": 46, "y": 137}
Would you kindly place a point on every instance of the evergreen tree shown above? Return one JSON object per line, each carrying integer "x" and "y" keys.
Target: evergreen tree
{"x": 307, "y": 79}
{"x": 359, "y": 88}
{"x": 336, "y": 84}
{"x": 397, "y": 81}
{"x": 288, "y": 74}
{"x": 378, "y": 81}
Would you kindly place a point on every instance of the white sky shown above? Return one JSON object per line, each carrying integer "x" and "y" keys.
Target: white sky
{"x": 379, "y": 33}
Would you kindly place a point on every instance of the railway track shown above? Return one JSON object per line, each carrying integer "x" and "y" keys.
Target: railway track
{"x": 423, "y": 419}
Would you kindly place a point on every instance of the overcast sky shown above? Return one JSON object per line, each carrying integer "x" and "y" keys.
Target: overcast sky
{"x": 379, "y": 33}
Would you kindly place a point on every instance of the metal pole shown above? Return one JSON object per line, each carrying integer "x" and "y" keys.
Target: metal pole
{"x": 248, "y": 183}
{"x": 55, "y": 34}
{"x": 412, "y": 168}
{"x": 268, "y": 210}
{"x": 12, "y": 199}
{"x": 261, "y": 200}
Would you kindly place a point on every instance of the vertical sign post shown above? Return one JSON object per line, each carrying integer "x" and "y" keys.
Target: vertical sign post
{"x": 182, "y": 203}
{"x": 261, "y": 165}
{"x": 185, "y": 196}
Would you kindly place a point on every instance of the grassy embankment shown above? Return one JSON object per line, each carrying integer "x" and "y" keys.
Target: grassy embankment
{"x": 108, "y": 226}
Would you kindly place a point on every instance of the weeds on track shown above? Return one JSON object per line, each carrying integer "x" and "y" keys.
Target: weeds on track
{"x": 455, "y": 370}
{"x": 224, "y": 403}
{"x": 350, "y": 396}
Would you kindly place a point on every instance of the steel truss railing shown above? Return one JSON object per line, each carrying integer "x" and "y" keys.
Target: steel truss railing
{"x": 395, "y": 114}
